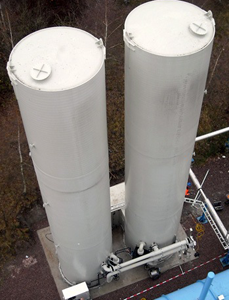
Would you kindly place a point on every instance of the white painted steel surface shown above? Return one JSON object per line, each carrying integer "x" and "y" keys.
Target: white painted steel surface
{"x": 64, "y": 116}
{"x": 166, "y": 66}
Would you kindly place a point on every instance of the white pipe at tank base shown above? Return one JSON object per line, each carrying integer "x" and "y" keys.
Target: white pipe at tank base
{"x": 111, "y": 275}
{"x": 141, "y": 248}
{"x": 152, "y": 256}
{"x": 206, "y": 286}
{"x": 211, "y": 134}
{"x": 162, "y": 252}
{"x": 154, "y": 246}
{"x": 114, "y": 258}
{"x": 106, "y": 268}
{"x": 209, "y": 206}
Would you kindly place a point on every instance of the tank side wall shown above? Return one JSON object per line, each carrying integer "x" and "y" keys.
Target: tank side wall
{"x": 83, "y": 237}
{"x": 67, "y": 134}
{"x": 55, "y": 122}
{"x": 163, "y": 98}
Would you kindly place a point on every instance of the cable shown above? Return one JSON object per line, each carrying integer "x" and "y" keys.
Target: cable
{"x": 99, "y": 284}
{"x": 126, "y": 250}
{"x": 200, "y": 230}
{"x": 64, "y": 278}
{"x": 48, "y": 238}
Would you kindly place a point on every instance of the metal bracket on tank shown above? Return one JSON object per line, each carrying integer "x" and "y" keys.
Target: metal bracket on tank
{"x": 209, "y": 15}
{"x": 56, "y": 247}
{"x": 10, "y": 69}
{"x": 32, "y": 146}
{"x": 101, "y": 45}
{"x": 127, "y": 37}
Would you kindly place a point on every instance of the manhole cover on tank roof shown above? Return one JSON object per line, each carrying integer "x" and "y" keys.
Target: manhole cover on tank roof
{"x": 40, "y": 71}
{"x": 199, "y": 28}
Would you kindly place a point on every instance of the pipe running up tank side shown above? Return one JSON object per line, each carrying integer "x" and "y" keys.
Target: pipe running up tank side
{"x": 166, "y": 65}
{"x": 58, "y": 77}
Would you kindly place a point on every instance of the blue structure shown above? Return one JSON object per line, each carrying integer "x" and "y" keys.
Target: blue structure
{"x": 227, "y": 145}
{"x": 202, "y": 219}
{"x": 225, "y": 260}
{"x": 214, "y": 287}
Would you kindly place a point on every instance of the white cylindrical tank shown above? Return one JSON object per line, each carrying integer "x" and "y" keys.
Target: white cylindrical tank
{"x": 167, "y": 52}
{"x": 59, "y": 81}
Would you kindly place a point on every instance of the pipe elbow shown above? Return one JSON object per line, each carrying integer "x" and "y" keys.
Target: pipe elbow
{"x": 141, "y": 248}
{"x": 114, "y": 258}
{"x": 111, "y": 275}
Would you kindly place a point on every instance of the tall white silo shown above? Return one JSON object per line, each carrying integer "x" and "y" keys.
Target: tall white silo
{"x": 167, "y": 52}
{"x": 59, "y": 81}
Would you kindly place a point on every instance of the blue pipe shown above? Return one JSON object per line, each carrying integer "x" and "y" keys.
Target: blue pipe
{"x": 206, "y": 286}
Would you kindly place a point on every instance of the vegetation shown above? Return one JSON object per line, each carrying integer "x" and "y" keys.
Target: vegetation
{"x": 215, "y": 110}
{"x": 103, "y": 18}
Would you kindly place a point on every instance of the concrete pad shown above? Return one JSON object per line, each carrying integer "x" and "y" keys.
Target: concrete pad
{"x": 45, "y": 237}
{"x": 117, "y": 196}
{"x": 125, "y": 279}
